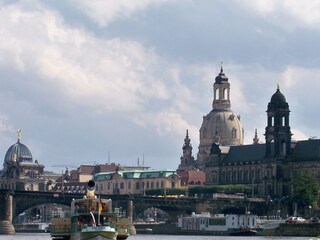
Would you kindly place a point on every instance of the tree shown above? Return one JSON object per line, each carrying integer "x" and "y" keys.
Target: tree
{"x": 305, "y": 190}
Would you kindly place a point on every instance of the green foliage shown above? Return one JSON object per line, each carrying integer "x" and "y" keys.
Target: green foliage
{"x": 305, "y": 190}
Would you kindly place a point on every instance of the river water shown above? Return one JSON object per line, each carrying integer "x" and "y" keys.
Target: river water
{"x": 46, "y": 236}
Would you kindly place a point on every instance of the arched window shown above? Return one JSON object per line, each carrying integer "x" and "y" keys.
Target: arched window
{"x": 252, "y": 174}
{"x": 234, "y": 176}
{"x": 225, "y": 94}
{"x": 258, "y": 174}
{"x": 223, "y": 176}
{"x": 228, "y": 176}
{"x": 122, "y": 185}
{"x": 214, "y": 176}
{"x": 246, "y": 173}
{"x": 240, "y": 176}
{"x": 283, "y": 148}
{"x": 234, "y": 133}
{"x": 137, "y": 185}
{"x": 216, "y": 94}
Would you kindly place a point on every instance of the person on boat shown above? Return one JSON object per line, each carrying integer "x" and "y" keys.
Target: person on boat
{"x": 105, "y": 221}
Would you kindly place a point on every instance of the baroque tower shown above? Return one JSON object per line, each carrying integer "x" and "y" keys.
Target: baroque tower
{"x": 278, "y": 133}
{"x": 186, "y": 159}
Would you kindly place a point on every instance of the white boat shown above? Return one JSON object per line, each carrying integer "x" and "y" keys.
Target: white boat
{"x": 219, "y": 224}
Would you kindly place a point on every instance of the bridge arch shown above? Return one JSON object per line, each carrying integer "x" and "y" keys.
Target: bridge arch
{"x": 42, "y": 213}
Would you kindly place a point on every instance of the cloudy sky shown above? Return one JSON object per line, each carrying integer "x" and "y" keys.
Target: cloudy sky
{"x": 93, "y": 81}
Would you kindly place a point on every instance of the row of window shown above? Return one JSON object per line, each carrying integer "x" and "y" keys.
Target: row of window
{"x": 136, "y": 185}
{"x": 283, "y": 121}
{"x": 242, "y": 175}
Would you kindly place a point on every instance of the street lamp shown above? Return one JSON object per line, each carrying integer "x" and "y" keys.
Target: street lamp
{"x": 310, "y": 207}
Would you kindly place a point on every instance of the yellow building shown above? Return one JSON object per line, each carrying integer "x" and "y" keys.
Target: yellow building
{"x": 135, "y": 181}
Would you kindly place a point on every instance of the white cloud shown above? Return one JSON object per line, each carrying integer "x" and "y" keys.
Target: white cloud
{"x": 288, "y": 14}
{"x": 167, "y": 122}
{"x": 98, "y": 74}
{"x": 296, "y": 77}
{"x": 56, "y": 66}
{"x": 108, "y": 74}
{"x": 104, "y": 12}
{"x": 5, "y": 125}
{"x": 298, "y": 135}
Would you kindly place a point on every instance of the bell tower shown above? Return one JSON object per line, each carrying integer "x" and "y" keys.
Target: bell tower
{"x": 221, "y": 92}
{"x": 278, "y": 133}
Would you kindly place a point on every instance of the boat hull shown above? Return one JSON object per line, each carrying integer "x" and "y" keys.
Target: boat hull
{"x": 248, "y": 232}
{"x": 98, "y": 233}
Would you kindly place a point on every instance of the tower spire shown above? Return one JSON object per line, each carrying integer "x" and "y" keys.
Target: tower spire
{"x": 256, "y": 139}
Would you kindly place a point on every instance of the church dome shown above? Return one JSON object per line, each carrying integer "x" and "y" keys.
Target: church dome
{"x": 278, "y": 101}
{"x": 17, "y": 153}
{"x": 221, "y": 127}
{"x": 278, "y": 97}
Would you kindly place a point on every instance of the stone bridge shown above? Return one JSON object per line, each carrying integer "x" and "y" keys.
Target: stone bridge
{"x": 15, "y": 202}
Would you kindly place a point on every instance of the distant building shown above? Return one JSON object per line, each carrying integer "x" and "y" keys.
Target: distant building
{"x": 190, "y": 174}
{"x": 135, "y": 181}
{"x": 84, "y": 173}
{"x": 20, "y": 172}
{"x": 268, "y": 168}
{"x": 192, "y": 177}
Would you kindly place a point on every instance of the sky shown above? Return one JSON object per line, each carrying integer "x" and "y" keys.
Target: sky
{"x": 93, "y": 82}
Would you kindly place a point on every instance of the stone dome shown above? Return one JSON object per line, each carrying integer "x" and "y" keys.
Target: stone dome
{"x": 222, "y": 127}
{"x": 17, "y": 153}
{"x": 278, "y": 97}
{"x": 278, "y": 101}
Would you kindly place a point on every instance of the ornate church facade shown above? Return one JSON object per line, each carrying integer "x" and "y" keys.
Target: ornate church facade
{"x": 20, "y": 172}
{"x": 268, "y": 168}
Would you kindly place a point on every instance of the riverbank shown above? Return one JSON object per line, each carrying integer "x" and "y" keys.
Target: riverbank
{"x": 294, "y": 229}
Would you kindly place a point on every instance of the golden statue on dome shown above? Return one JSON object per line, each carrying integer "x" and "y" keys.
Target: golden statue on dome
{"x": 19, "y": 134}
